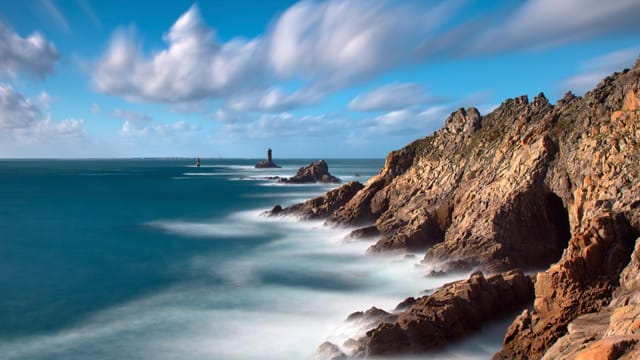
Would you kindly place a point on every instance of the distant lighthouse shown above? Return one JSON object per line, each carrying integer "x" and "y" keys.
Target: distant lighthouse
{"x": 268, "y": 162}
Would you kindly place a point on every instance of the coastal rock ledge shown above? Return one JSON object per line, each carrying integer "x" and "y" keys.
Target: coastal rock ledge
{"x": 530, "y": 185}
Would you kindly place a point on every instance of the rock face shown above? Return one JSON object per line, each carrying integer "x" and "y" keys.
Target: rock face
{"x": 267, "y": 163}
{"x": 530, "y": 185}
{"x": 457, "y": 309}
{"x": 315, "y": 172}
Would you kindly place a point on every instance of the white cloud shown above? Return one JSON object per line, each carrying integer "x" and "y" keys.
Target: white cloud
{"x": 325, "y": 46}
{"x": 594, "y": 70}
{"x": 391, "y": 97}
{"x": 338, "y": 42}
{"x": 194, "y": 66}
{"x": 33, "y": 54}
{"x": 25, "y": 131}
{"x": 16, "y": 111}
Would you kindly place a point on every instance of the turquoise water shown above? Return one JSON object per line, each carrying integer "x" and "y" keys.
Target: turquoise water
{"x": 157, "y": 259}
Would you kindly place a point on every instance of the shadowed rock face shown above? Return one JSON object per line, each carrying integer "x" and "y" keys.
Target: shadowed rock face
{"x": 529, "y": 185}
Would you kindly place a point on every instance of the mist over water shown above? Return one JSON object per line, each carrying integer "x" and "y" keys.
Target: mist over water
{"x": 169, "y": 261}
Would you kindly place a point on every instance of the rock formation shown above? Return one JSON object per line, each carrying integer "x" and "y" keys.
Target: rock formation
{"x": 315, "y": 172}
{"x": 450, "y": 313}
{"x": 266, "y": 163}
{"x": 530, "y": 185}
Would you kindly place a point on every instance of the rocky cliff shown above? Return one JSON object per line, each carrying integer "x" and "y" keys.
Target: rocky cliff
{"x": 530, "y": 185}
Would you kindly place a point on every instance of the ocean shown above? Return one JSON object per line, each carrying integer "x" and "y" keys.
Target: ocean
{"x": 158, "y": 259}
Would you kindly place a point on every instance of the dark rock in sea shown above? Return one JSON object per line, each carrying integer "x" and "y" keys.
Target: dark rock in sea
{"x": 329, "y": 351}
{"x": 451, "y": 313}
{"x": 266, "y": 163}
{"x": 315, "y": 172}
{"x": 275, "y": 210}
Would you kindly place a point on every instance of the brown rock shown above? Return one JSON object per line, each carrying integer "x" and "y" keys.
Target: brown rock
{"x": 454, "y": 311}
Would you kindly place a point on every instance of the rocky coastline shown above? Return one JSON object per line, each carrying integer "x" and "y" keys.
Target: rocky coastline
{"x": 529, "y": 186}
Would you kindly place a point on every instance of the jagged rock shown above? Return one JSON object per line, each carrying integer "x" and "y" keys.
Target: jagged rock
{"x": 454, "y": 311}
{"x": 321, "y": 206}
{"x": 315, "y": 172}
{"x": 329, "y": 351}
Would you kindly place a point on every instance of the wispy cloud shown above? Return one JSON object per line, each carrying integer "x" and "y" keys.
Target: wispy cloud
{"x": 392, "y": 97}
{"x": 55, "y": 15}
{"x": 88, "y": 10}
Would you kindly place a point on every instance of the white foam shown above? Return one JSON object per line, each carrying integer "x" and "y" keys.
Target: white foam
{"x": 202, "y": 229}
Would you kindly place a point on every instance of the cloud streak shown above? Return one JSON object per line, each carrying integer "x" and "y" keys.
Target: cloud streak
{"x": 392, "y": 97}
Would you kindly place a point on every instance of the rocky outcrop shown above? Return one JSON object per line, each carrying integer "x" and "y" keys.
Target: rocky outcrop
{"x": 529, "y": 185}
{"x": 321, "y": 206}
{"x": 315, "y": 172}
{"x": 454, "y": 311}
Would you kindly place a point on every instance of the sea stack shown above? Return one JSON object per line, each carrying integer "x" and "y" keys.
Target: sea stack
{"x": 267, "y": 163}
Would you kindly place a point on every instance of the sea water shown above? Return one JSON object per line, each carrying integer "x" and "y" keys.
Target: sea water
{"x": 159, "y": 259}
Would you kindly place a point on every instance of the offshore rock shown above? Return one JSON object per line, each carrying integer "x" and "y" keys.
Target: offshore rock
{"x": 315, "y": 172}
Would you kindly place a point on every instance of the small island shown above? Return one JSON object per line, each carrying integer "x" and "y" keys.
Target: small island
{"x": 267, "y": 163}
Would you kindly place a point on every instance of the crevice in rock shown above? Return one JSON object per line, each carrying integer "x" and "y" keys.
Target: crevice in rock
{"x": 561, "y": 227}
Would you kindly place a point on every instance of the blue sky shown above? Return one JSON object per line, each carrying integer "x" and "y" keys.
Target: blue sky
{"x": 338, "y": 78}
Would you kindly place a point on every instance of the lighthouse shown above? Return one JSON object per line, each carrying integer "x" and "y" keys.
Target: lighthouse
{"x": 269, "y": 159}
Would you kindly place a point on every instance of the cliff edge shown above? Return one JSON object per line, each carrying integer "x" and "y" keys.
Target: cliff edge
{"x": 531, "y": 185}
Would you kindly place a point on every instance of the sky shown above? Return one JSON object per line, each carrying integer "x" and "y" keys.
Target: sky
{"x": 310, "y": 79}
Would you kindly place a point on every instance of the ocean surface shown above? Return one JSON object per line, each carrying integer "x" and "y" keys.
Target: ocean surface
{"x": 158, "y": 259}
